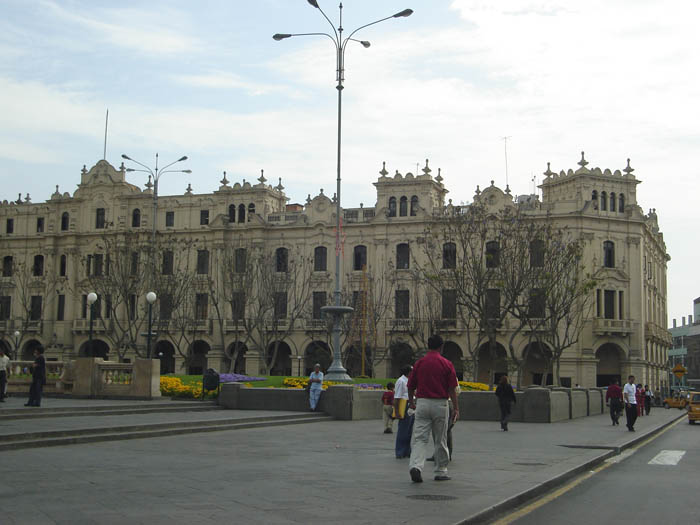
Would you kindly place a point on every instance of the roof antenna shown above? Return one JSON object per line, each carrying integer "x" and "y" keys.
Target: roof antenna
{"x": 505, "y": 151}
{"x": 104, "y": 152}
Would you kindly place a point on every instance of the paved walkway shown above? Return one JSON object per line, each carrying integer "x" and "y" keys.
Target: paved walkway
{"x": 333, "y": 472}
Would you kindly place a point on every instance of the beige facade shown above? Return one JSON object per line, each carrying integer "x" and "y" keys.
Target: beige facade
{"x": 626, "y": 333}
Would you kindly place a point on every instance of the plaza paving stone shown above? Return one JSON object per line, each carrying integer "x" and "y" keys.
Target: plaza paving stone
{"x": 327, "y": 472}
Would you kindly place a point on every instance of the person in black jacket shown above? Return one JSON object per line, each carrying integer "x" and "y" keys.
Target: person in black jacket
{"x": 38, "y": 378}
{"x": 506, "y": 396}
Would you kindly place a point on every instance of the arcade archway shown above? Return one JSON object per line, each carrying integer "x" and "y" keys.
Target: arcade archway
{"x": 165, "y": 352}
{"x": 98, "y": 349}
{"x": 198, "y": 358}
{"x": 453, "y": 352}
{"x": 282, "y": 365}
{"x": 493, "y": 363}
{"x": 401, "y": 355}
{"x": 317, "y": 352}
{"x": 609, "y": 369}
{"x": 538, "y": 363}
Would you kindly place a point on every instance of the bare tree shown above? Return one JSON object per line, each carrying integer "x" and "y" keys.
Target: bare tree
{"x": 280, "y": 291}
{"x": 32, "y": 284}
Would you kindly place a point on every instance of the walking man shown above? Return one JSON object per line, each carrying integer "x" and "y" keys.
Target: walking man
{"x": 630, "y": 397}
{"x": 614, "y": 397}
{"x": 4, "y": 365}
{"x": 405, "y": 430}
{"x": 433, "y": 381}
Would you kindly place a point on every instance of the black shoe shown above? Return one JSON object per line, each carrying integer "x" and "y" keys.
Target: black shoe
{"x": 442, "y": 477}
{"x": 387, "y": 431}
{"x": 28, "y": 405}
{"x": 416, "y": 476}
{"x": 431, "y": 458}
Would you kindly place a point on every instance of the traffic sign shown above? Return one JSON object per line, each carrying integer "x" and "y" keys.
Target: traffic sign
{"x": 679, "y": 371}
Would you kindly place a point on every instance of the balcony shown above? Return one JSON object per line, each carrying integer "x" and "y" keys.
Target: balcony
{"x": 613, "y": 326}
{"x": 401, "y": 325}
{"x": 353, "y": 215}
{"x": 657, "y": 333}
{"x": 317, "y": 325}
{"x": 98, "y": 325}
{"x": 231, "y": 325}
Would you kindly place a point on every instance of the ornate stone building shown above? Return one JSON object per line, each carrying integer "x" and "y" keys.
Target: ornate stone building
{"x": 57, "y": 243}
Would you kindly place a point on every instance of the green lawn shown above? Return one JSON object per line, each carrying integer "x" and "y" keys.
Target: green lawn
{"x": 276, "y": 381}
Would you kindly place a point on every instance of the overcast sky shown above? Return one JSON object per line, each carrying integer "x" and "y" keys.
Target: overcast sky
{"x": 616, "y": 78}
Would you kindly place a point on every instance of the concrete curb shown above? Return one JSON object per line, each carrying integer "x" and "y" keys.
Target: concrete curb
{"x": 500, "y": 508}
{"x": 61, "y": 438}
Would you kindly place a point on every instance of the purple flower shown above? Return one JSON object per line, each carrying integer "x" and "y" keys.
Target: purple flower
{"x": 370, "y": 386}
{"x": 238, "y": 378}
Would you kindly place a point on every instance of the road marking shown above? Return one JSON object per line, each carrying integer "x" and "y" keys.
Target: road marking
{"x": 667, "y": 457}
{"x": 531, "y": 507}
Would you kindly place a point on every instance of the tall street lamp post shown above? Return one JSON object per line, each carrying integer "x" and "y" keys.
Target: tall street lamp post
{"x": 91, "y": 298}
{"x": 337, "y": 372}
{"x": 16, "y": 334}
{"x": 155, "y": 174}
{"x": 151, "y": 298}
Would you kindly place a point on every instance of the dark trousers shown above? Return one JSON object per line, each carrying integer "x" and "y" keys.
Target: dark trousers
{"x": 3, "y": 384}
{"x": 403, "y": 437}
{"x": 615, "y": 409}
{"x": 647, "y": 404}
{"x": 505, "y": 414}
{"x": 35, "y": 392}
{"x": 631, "y": 412}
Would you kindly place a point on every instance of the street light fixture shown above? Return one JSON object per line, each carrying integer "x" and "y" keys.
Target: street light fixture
{"x": 155, "y": 173}
{"x": 16, "y": 334}
{"x": 151, "y": 298}
{"x": 337, "y": 372}
{"x": 91, "y": 298}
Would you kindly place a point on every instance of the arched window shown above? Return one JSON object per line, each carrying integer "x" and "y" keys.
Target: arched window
{"x": 403, "y": 256}
{"x": 612, "y": 201}
{"x": 449, "y": 256}
{"x": 621, "y": 206}
{"x": 241, "y": 213}
{"x": 403, "y": 207}
{"x": 65, "y": 221}
{"x": 7, "y": 266}
{"x": 251, "y": 211}
{"x": 537, "y": 253}
{"x": 609, "y": 254}
{"x": 136, "y": 218}
{"x": 359, "y": 257}
{"x": 38, "y": 266}
{"x": 281, "y": 260}
{"x": 603, "y": 201}
{"x": 414, "y": 206}
{"x": 320, "y": 256}
{"x": 62, "y": 266}
{"x": 594, "y": 196}
{"x": 492, "y": 254}
{"x": 231, "y": 213}
{"x": 392, "y": 206}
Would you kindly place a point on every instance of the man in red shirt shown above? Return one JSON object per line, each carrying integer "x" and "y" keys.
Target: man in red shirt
{"x": 433, "y": 381}
{"x": 614, "y": 396}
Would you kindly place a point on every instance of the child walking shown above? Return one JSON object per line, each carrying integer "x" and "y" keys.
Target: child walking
{"x": 388, "y": 408}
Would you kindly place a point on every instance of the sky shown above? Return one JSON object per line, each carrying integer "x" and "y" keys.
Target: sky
{"x": 617, "y": 79}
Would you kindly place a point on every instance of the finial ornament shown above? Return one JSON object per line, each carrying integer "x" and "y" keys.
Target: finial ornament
{"x": 583, "y": 162}
{"x": 188, "y": 191}
{"x": 439, "y": 176}
{"x": 383, "y": 171}
{"x": 224, "y": 181}
{"x": 149, "y": 184}
{"x": 549, "y": 172}
{"x": 629, "y": 169}
{"x": 478, "y": 191}
{"x": 279, "y": 187}
{"x": 27, "y": 198}
{"x": 308, "y": 199}
{"x": 507, "y": 189}
{"x": 262, "y": 178}
{"x": 84, "y": 170}
{"x": 426, "y": 170}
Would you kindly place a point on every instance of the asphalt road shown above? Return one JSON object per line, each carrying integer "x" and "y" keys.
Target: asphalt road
{"x": 656, "y": 483}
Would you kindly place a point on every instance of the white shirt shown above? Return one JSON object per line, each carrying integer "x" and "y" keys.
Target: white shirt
{"x": 4, "y": 361}
{"x": 401, "y": 388}
{"x": 631, "y": 391}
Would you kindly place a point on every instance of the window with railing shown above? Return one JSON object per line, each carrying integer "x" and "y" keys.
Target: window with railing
{"x": 320, "y": 256}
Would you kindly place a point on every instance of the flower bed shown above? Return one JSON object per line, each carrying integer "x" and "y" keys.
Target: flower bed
{"x": 470, "y": 385}
{"x": 238, "y": 378}
{"x": 174, "y": 387}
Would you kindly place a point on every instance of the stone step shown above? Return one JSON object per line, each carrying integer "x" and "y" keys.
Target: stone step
{"x": 106, "y": 410}
{"x": 92, "y": 435}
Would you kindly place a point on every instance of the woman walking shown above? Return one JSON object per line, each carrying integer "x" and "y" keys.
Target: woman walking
{"x": 506, "y": 396}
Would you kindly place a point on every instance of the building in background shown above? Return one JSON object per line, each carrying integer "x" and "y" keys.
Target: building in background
{"x": 56, "y": 252}
{"x": 686, "y": 349}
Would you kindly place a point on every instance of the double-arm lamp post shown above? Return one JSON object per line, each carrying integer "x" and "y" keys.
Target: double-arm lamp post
{"x": 336, "y": 371}
{"x": 155, "y": 174}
